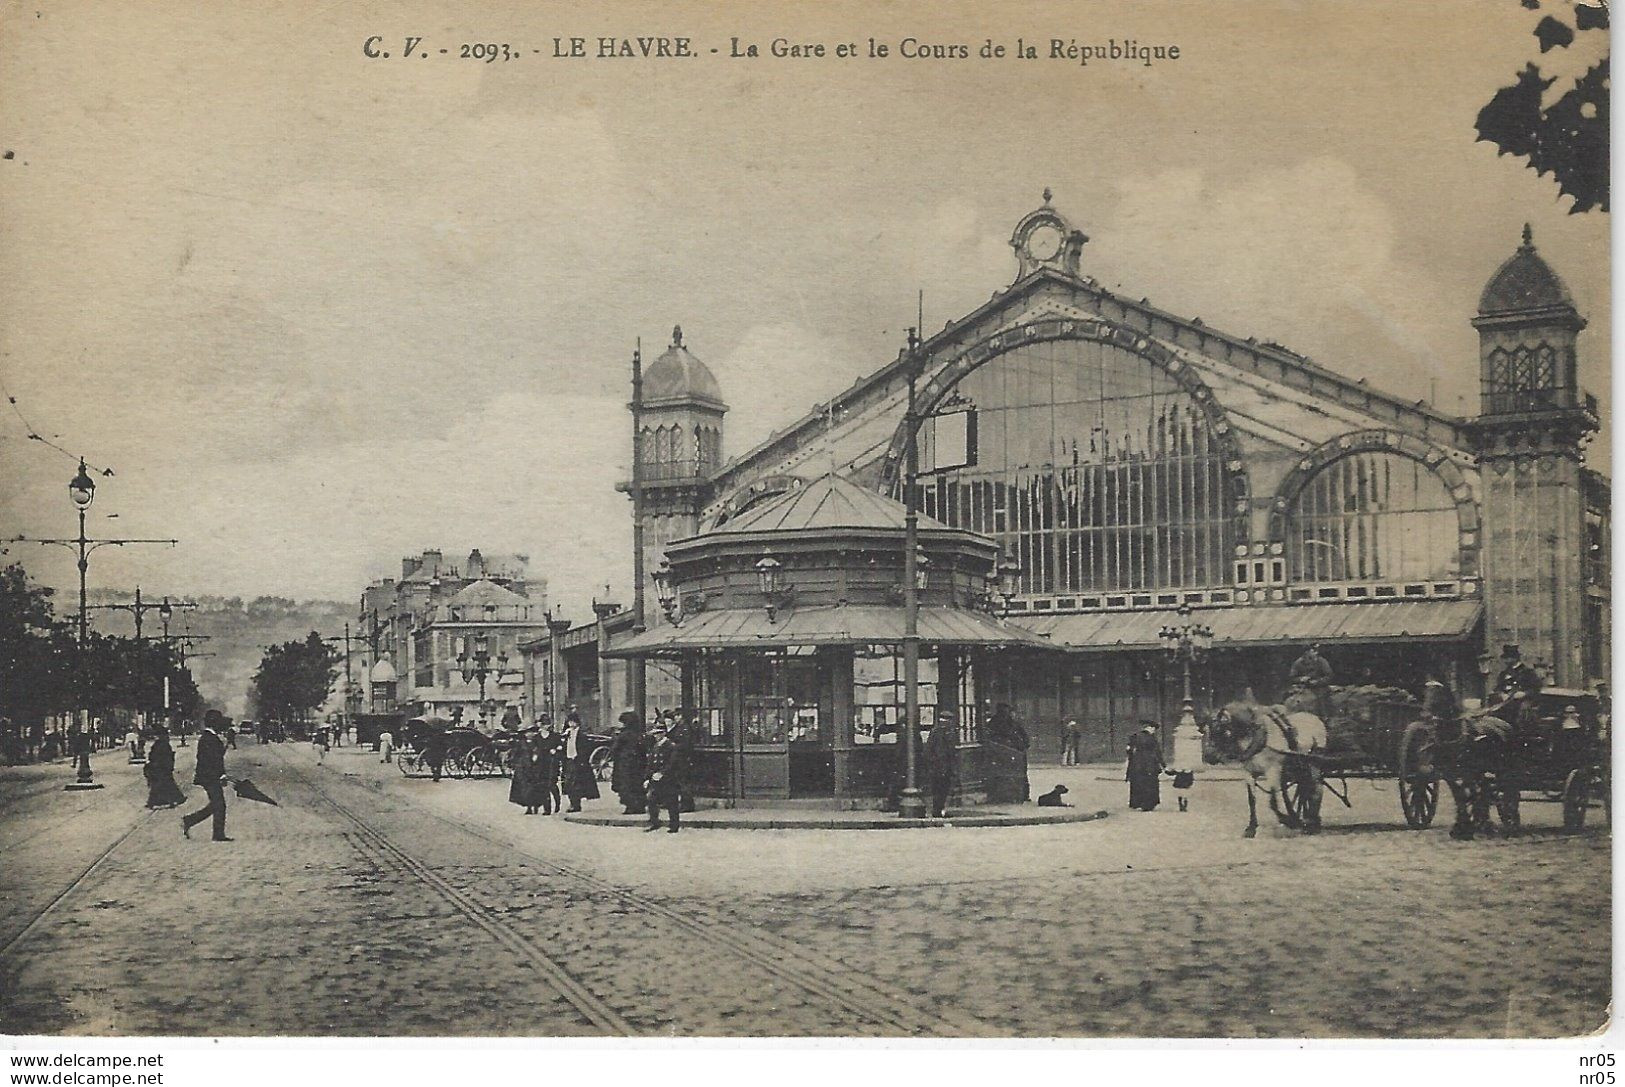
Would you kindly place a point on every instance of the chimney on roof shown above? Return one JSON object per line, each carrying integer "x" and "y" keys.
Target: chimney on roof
{"x": 476, "y": 564}
{"x": 409, "y": 566}
{"x": 431, "y": 559}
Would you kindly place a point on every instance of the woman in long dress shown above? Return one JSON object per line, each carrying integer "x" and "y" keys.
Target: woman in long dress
{"x": 580, "y": 781}
{"x": 528, "y": 789}
{"x": 1145, "y": 767}
{"x": 162, "y": 792}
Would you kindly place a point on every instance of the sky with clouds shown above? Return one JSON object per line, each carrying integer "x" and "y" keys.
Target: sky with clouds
{"x": 319, "y": 311}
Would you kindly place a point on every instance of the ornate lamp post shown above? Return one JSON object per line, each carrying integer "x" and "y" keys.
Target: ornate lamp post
{"x": 1186, "y": 643}
{"x": 477, "y": 666}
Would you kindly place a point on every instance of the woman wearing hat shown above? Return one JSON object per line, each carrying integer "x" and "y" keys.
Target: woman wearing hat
{"x": 162, "y": 792}
{"x": 528, "y": 790}
{"x": 580, "y": 782}
{"x": 628, "y": 775}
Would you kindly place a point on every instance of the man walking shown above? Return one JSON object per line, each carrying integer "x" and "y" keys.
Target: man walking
{"x": 211, "y": 775}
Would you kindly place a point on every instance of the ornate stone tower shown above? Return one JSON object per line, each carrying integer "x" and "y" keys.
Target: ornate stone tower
{"x": 677, "y": 411}
{"x": 1530, "y": 434}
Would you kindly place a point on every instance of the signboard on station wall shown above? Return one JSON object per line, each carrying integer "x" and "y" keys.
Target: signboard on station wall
{"x": 948, "y": 439}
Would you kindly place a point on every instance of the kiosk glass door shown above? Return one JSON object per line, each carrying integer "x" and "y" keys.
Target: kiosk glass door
{"x": 785, "y": 744}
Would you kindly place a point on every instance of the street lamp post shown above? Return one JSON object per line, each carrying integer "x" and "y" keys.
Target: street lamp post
{"x": 1186, "y": 642}
{"x": 82, "y": 492}
{"x": 477, "y": 666}
{"x": 911, "y": 801}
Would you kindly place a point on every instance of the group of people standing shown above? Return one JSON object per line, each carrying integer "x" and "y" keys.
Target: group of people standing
{"x": 648, "y": 777}
{"x": 549, "y": 765}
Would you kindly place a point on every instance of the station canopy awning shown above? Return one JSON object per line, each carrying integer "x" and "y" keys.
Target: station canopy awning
{"x": 851, "y": 624}
{"x": 1283, "y": 624}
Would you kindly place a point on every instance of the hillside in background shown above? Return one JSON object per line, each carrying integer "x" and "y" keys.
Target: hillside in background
{"x": 237, "y": 632}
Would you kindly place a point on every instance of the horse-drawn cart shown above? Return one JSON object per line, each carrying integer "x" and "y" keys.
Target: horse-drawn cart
{"x": 1557, "y": 752}
{"x": 1372, "y": 733}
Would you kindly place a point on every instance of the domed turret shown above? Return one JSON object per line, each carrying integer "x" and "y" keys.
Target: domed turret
{"x": 678, "y": 375}
{"x": 1523, "y": 284}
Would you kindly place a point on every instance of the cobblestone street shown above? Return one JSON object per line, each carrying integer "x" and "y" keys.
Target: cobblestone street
{"x": 369, "y": 903}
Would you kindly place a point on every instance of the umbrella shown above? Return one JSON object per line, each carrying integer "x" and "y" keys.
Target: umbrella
{"x": 249, "y": 791}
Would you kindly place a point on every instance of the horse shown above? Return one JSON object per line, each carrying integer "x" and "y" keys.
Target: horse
{"x": 1276, "y": 747}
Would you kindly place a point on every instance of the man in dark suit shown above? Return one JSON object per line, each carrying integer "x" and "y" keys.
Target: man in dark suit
{"x": 941, "y": 761}
{"x": 211, "y": 775}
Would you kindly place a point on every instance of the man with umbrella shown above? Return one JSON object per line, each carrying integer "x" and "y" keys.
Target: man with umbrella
{"x": 211, "y": 775}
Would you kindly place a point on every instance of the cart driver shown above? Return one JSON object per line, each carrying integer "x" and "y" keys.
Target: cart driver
{"x": 1312, "y": 673}
{"x": 1517, "y": 685}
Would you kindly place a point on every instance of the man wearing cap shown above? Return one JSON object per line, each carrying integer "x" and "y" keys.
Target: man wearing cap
{"x": 665, "y": 784}
{"x": 1313, "y": 674}
{"x": 211, "y": 775}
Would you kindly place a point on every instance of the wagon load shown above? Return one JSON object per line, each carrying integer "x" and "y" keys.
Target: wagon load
{"x": 1362, "y": 721}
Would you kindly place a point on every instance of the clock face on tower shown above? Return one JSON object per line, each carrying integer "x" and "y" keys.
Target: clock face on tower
{"x": 1044, "y": 242}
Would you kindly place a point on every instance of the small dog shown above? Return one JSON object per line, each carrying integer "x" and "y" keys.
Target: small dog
{"x": 1052, "y": 799}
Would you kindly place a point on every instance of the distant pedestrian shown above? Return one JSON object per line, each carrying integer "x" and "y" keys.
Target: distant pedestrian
{"x": 386, "y": 744}
{"x": 211, "y": 775}
{"x": 322, "y": 739}
{"x": 231, "y": 737}
{"x": 941, "y": 761}
{"x": 580, "y": 780}
{"x": 1145, "y": 768}
{"x": 162, "y": 792}
{"x": 630, "y": 772}
{"x": 666, "y": 767}
{"x": 1071, "y": 737}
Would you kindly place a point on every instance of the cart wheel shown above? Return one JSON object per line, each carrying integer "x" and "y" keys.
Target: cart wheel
{"x": 407, "y": 763}
{"x": 1507, "y": 799}
{"x": 1418, "y": 780}
{"x": 1575, "y": 795}
{"x": 457, "y": 766}
{"x": 601, "y": 764}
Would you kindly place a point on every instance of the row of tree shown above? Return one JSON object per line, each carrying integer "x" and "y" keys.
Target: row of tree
{"x": 293, "y": 680}
{"x": 44, "y": 669}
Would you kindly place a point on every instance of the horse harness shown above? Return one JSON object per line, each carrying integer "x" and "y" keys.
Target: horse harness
{"x": 1275, "y": 715}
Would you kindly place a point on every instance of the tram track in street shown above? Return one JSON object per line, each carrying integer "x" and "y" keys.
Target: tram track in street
{"x": 830, "y": 983}
{"x": 377, "y": 846}
{"x": 15, "y": 942}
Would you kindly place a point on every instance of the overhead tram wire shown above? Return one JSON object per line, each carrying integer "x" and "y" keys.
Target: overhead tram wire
{"x": 34, "y": 434}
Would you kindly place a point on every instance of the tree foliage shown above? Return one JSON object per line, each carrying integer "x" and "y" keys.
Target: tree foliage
{"x": 44, "y": 670}
{"x": 1555, "y": 112}
{"x": 294, "y": 678}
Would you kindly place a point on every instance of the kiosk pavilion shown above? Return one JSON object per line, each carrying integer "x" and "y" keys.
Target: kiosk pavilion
{"x": 1129, "y": 461}
{"x": 785, "y": 625}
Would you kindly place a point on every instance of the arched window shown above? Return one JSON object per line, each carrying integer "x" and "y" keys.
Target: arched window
{"x": 1521, "y": 379}
{"x": 1095, "y": 468}
{"x": 1373, "y": 516}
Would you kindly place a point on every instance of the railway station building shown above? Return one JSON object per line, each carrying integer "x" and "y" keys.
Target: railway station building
{"x": 1125, "y": 461}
